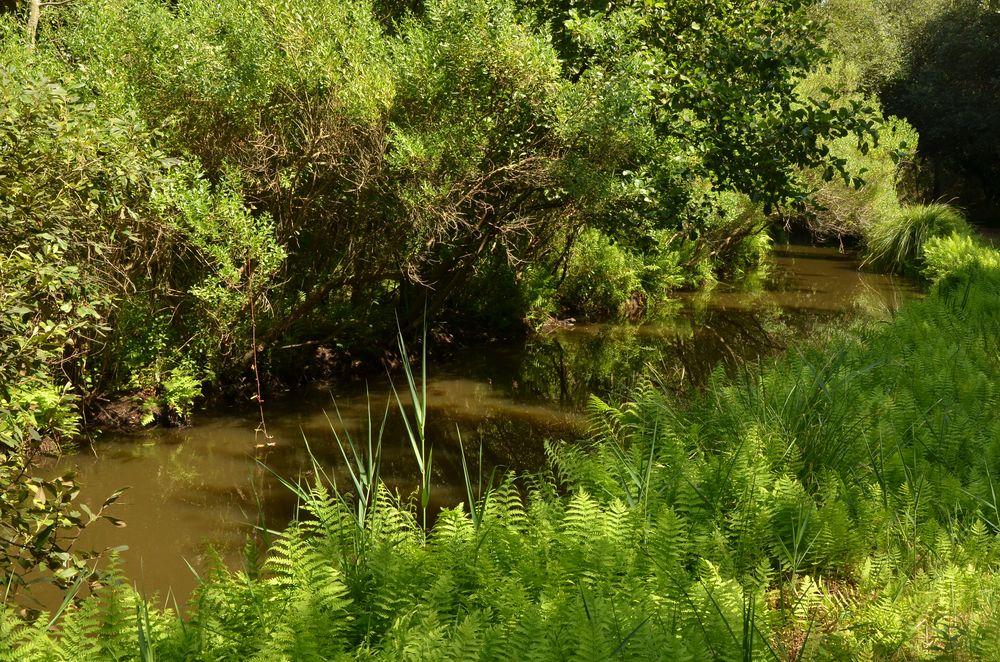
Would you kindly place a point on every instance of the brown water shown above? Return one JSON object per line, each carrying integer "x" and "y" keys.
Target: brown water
{"x": 205, "y": 486}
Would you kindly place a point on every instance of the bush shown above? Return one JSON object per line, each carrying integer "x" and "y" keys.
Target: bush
{"x": 602, "y": 279}
{"x": 739, "y": 240}
{"x": 880, "y": 176}
{"x": 35, "y": 405}
{"x": 895, "y": 243}
{"x": 843, "y": 209}
{"x": 726, "y": 237}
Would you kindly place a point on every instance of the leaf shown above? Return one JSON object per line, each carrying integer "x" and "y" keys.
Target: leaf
{"x": 66, "y": 573}
{"x": 114, "y": 497}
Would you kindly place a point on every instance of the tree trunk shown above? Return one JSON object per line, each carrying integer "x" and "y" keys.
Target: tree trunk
{"x": 34, "y": 13}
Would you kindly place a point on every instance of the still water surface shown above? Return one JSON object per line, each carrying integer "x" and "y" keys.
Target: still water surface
{"x": 206, "y": 486}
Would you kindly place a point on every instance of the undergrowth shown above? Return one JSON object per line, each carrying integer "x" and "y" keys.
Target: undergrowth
{"x": 837, "y": 504}
{"x": 895, "y": 243}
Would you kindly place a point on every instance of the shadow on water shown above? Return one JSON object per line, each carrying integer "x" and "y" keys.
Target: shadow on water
{"x": 205, "y": 486}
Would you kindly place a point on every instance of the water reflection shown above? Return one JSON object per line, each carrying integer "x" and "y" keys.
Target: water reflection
{"x": 207, "y": 485}
{"x": 721, "y": 328}
{"x": 569, "y": 366}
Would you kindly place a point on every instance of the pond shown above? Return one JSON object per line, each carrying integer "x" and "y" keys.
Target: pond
{"x": 206, "y": 486}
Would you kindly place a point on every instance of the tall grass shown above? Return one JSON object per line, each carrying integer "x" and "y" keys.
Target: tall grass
{"x": 895, "y": 243}
{"x": 416, "y": 430}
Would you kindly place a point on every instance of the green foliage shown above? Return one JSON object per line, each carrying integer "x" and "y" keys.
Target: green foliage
{"x": 721, "y": 75}
{"x": 947, "y": 91}
{"x": 736, "y": 241}
{"x": 837, "y": 504}
{"x": 877, "y": 176}
{"x": 874, "y": 38}
{"x": 885, "y": 177}
{"x": 168, "y": 394}
{"x": 930, "y": 62}
{"x": 32, "y": 291}
{"x": 336, "y": 162}
{"x": 104, "y": 234}
{"x": 957, "y": 254}
{"x": 40, "y": 520}
{"x": 895, "y": 243}
{"x": 45, "y": 315}
{"x": 38, "y": 322}
{"x": 601, "y": 280}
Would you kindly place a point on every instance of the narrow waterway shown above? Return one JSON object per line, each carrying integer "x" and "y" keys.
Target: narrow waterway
{"x": 205, "y": 487}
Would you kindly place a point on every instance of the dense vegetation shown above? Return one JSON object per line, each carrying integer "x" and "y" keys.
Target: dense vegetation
{"x": 195, "y": 196}
{"x": 208, "y": 182}
{"x": 932, "y": 62}
{"x": 838, "y": 504}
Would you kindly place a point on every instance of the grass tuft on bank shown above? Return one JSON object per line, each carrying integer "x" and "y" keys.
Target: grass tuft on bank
{"x": 895, "y": 243}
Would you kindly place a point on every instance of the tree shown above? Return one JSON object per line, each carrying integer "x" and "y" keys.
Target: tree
{"x": 934, "y": 63}
{"x": 721, "y": 80}
{"x": 395, "y": 164}
{"x": 950, "y": 91}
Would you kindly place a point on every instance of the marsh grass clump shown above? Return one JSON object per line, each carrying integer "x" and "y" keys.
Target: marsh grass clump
{"x": 895, "y": 243}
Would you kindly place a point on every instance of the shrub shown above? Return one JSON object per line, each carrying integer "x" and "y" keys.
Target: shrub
{"x": 840, "y": 208}
{"x": 956, "y": 253}
{"x": 740, "y": 240}
{"x": 37, "y": 405}
{"x": 601, "y": 278}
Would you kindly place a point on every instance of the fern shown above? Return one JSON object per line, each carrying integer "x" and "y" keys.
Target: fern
{"x": 841, "y": 503}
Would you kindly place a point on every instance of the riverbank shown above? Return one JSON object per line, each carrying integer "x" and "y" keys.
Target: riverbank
{"x": 200, "y": 487}
{"x": 835, "y": 505}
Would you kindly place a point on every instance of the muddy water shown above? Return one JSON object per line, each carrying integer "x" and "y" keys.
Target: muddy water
{"x": 206, "y": 486}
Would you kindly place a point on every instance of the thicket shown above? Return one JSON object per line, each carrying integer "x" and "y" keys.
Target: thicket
{"x": 839, "y": 503}
{"x": 928, "y": 66}
{"x": 101, "y": 232}
{"x": 222, "y": 180}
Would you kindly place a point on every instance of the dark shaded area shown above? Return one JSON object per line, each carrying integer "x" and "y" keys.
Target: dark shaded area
{"x": 390, "y": 12}
{"x": 950, "y": 92}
